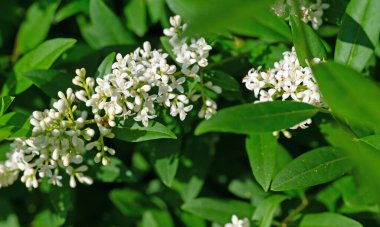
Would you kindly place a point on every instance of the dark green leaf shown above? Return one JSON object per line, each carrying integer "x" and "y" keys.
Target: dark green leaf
{"x": 194, "y": 165}
{"x": 40, "y": 58}
{"x": 35, "y": 27}
{"x": 8, "y": 217}
{"x": 328, "y": 220}
{"x": 359, "y": 33}
{"x": 262, "y": 149}
{"x": 164, "y": 154}
{"x": 133, "y": 132}
{"x": 14, "y": 125}
{"x": 50, "y": 81}
{"x": 105, "y": 29}
{"x": 5, "y": 102}
{"x": 307, "y": 43}
{"x": 265, "y": 210}
{"x": 218, "y": 210}
{"x": 130, "y": 202}
{"x": 312, "y": 168}
{"x": 254, "y": 118}
{"x": 135, "y": 12}
{"x": 105, "y": 66}
{"x": 348, "y": 93}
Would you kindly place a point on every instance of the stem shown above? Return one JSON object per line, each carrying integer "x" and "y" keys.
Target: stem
{"x": 297, "y": 210}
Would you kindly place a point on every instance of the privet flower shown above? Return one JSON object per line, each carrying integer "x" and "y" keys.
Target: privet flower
{"x": 236, "y": 222}
{"x": 191, "y": 55}
{"x": 310, "y": 12}
{"x": 140, "y": 83}
{"x": 288, "y": 80}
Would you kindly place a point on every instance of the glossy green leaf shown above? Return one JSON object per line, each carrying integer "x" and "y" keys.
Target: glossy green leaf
{"x": 246, "y": 188}
{"x": 40, "y": 58}
{"x": 135, "y": 13}
{"x": 230, "y": 86}
{"x": 134, "y": 132}
{"x": 164, "y": 154}
{"x": 359, "y": 33}
{"x": 5, "y": 102}
{"x": 262, "y": 149}
{"x": 348, "y": 93}
{"x": 130, "y": 202}
{"x": 39, "y": 18}
{"x": 14, "y": 125}
{"x": 105, "y": 29}
{"x": 218, "y": 210}
{"x": 315, "y": 167}
{"x": 265, "y": 210}
{"x": 105, "y": 66}
{"x": 307, "y": 43}
{"x": 328, "y": 220}
{"x": 157, "y": 218}
{"x": 50, "y": 81}
{"x": 255, "y": 118}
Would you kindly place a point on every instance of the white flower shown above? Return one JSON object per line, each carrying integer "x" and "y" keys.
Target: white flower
{"x": 236, "y": 222}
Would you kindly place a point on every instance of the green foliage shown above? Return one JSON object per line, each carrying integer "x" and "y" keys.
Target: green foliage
{"x": 262, "y": 117}
{"x": 201, "y": 172}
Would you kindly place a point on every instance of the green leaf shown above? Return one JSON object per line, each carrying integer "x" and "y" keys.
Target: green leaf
{"x": 359, "y": 33}
{"x": 50, "y": 81}
{"x": 156, "y": 9}
{"x": 71, "y": 9}
{"x": 373, "y": 140}
{"x": 105, "y": 66}
{"x": 348, "y": 93}
{"x": 246, "y": 188}
{"x": 47, "y": 218}
{"x": 307, "y": 43}
{"x": 218, "y": 210}
{"x": 157, "y": 218}
{"x": 261, "y": 149}
{"x": 189, "y": 220}
{"x": 315, "y": 167}
{"x": 105, "y": 29}
{"x": 194, "y": 164}
{"x": 111, "y": 172}
{"x": 167, "y": 47}
{"x": 164, "y": 154}
{"x": 328, "y": 220}
{"x": 253, "y": 18}
{"x": 265, "y": 210}
{"x": 34, "y": 29}
{"x": 255, "y": 118}
{"x": 135, "y": 12}
{"x": 13, "y": 125}
{"x": 133, "y": 132}
{"x": 40, "y": 58}
{"x": 225, "y": 81}
{"x": 5, "y": 102}
{"x": 8, "y": 217}
{"x": 130, "y": 202}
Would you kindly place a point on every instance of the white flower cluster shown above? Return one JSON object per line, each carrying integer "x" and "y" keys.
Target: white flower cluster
{"x": 309, "y": 12}
{"x": 236, "y": 222}
{"x": 138, "y": 82}
{"x": 57, "y": 143}
{"x": 314, "y": 13}
{"x": 288, "y": 80}
{"x": 191, "y": 55}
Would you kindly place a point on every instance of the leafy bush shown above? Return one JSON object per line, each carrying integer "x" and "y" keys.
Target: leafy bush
{"x": 230, "y": 113}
